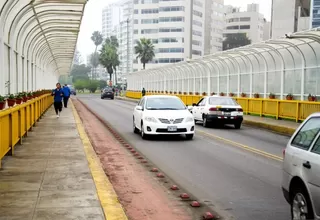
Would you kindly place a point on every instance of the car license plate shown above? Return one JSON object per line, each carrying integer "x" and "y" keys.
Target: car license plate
{"x": 226, "y": 113}
{"x": 172, "y": 128}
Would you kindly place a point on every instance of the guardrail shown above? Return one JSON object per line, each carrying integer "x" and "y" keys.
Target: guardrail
{"x": 279, "y": 109}
{"x": 15, "y": 122}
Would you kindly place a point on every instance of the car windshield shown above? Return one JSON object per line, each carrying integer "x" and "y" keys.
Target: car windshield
{"x": 222, "y": 101}
{"x": 164, "y": 103}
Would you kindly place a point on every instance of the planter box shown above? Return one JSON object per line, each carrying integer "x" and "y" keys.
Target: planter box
{"x": 11, "y": 102}
{"x": 18, "y": 101}
{"x": 2, "y": 105}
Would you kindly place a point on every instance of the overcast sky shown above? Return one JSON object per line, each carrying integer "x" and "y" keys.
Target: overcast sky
{"x": 92, "y": 20}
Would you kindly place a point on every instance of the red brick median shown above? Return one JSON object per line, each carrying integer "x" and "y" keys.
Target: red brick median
{"x": 142, "y": 197}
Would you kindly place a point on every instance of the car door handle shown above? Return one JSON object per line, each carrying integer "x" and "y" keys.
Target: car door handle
{"x": 307, "y": 165}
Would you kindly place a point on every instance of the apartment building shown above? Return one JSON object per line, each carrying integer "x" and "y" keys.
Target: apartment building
{"x": 180, "y": 30}
{"x": 288, "y": 16}
{"x": 250, "y": 22}
{"x": 117, "y": 21}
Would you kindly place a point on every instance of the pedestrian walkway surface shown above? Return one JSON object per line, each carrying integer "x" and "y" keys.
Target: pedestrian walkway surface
{"x": 49, "y": 177}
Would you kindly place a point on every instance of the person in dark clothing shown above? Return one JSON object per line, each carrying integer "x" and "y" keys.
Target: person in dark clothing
{"x": 66, "y": 95}
{"x": 143, "y": 92}
{"x": 58, "y": 96}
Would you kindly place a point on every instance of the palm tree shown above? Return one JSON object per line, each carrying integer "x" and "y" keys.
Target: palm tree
{"x": 97, "y": 39}
{"x": 145, "y": 51}
{"x": 109, "y": 57}
{"x": 94, "y": 62}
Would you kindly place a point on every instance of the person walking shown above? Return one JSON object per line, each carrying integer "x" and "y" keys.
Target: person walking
{"x": 143, "y": 92}
{"x": 66, "y": 95}
{"x": 57, "y": 93}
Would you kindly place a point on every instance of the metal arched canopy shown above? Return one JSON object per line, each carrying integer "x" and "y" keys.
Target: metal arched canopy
{"x": 257, "y": 51}
{"x": 44, "y": 32}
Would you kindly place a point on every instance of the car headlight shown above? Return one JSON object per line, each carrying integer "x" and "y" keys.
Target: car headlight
{"x": 189, "y": 119}
{"x": 150, "y": 119}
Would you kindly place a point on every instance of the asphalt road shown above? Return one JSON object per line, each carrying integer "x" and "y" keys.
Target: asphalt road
{"x": 241, "y": 182}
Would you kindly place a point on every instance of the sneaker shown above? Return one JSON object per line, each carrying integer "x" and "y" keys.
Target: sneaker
{"x": 58, "y": 116}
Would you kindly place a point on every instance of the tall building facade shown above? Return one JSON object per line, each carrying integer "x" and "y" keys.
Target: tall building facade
{"x": 288, "y": 16}
{"x": 250, "y": 22}
{"x": 179, "y": 30}
{"x": 117, "y": 21}
{"x": 315, "y": 13}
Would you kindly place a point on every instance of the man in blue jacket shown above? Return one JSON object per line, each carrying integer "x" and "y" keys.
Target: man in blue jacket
{"x": 66, "y": 95}
{"x": 58, "y": 96}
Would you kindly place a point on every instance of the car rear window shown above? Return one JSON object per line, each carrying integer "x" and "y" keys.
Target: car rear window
{"x": 222, "y": 101}
{"x": 307, "y": 134}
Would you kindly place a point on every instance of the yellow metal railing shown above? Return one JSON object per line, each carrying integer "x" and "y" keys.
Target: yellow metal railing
{"x": 280, "y": 109}
{"x": 15, "y": 122}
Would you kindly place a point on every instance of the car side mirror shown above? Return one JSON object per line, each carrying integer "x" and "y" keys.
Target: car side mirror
{"x": 139, "y": 108}
{"x": 194, "y": 104}
{"x": 190, "y": 107}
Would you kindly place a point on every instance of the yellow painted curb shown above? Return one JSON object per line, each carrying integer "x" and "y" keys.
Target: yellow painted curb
{"x": 112, "y": 208}
{"x": 274, "y": 128}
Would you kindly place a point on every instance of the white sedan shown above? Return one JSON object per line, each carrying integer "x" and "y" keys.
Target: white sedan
{"x": 162, "y": 115}
{"x": 218, "y": 109}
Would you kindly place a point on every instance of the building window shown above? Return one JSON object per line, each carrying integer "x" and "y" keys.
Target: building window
{"x": 171, "y": 40}
{"x": 196, "y": 42}
{"x": 170, "y": 60}
{"x": 149, "y": 31}
{"x": 173, "y": 8}
{"x": 244, "y": 27}
{"x": 149, "y": 11}
{"x": 149, "y": 21}
{"x": 245, "y": 19}
{"x": 135, "y": 31}
{"x": 171, "y": 30}
{"x": 136, "y": 21}
{"x": 196, "y": 33}
{"x": 171, "y": 19}
{"x": 171, "y": 50}
{"x": 233, "y": 20}
{"x": 196, "y": 52}
{"x": 136, "y": 1}
{"x": 136, "y": 11}
{"x": 233, "y": 27}
{"x": 197, "y": 23}
{"x": 197, "y": 13}
{"x": 149, "y": 1}
{"x": 198, "y": 3}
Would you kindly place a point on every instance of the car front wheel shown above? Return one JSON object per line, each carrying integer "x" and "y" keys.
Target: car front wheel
{"x": 301, "y": 207}
{"x": 237, "y": 125}
{"x": 135, "y": 129}
{"x": 143, "y": 135}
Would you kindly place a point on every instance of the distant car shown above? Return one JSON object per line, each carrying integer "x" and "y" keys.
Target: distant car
{"x": 107, "y": 93}
{"x": 162, "y": 115}
{"x": 218, "y": 109}
{"x": 301, "y": 170}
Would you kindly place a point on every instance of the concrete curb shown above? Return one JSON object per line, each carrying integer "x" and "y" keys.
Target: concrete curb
{"x": 109, "y": 201}
{"x": 274, "y": 128}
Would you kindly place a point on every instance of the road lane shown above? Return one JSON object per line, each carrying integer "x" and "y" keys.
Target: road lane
{"x": 246, "y": 185}
{"x": 253, "y": 137}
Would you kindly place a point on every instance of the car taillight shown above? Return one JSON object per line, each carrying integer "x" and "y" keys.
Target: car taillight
{"x": 284, "y": 153}
{"x": 240, "y": 110}
{"x": 212, "y": 109}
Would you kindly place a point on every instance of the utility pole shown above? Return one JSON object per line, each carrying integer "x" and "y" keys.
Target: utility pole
{"x": 128, "y": 46}
{"x": 191, "y": 28}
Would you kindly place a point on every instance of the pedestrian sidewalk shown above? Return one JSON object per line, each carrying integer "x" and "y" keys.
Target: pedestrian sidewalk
{"x": 49, "y": 176}
{"x": 280, "y": 126}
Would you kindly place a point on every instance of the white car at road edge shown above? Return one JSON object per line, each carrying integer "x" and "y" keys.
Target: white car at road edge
{"x": 162, "y": 115}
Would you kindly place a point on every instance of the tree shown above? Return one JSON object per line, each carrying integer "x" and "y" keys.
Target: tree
{"x": 235, "y": 40}
{"x": 79, "y": 72}
{"x": 92, "y": 85}
{"x": 77, "y": 58}
{"x": 97, "y": 39}
{"x": 94, "y": 62}
{"x": 145, "y": 51}
{"x": 109, "y": 57}
{"x": 102, "y": 84}
{"x": 80, "y": 85}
